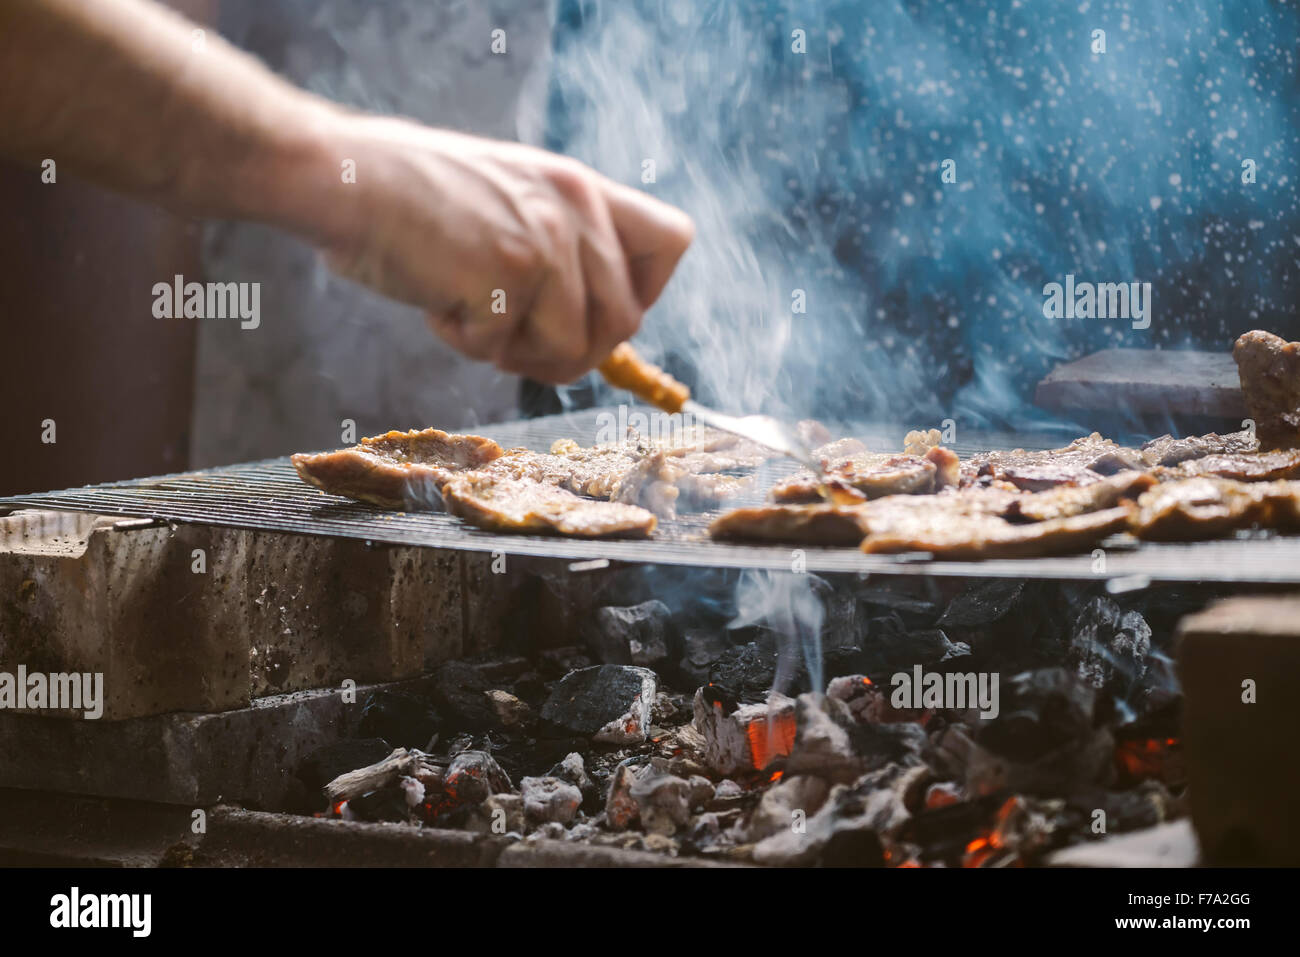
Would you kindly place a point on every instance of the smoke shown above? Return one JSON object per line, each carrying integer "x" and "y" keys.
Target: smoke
{"x": 821, "y": 171}
{"x": 809, "y": 138}
{"x": 789, "y": 605}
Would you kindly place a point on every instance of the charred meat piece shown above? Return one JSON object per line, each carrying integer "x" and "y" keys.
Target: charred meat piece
{"x": 1168, "y": 450}
{"x": 502, "y": 504}
{"x": 1200, "y": 508}
{"x": 1068, "y": 500}
{"x": 1083, "y": 461}
{"x": 1269, "y": 369}
{"x": 397, "y": 469}
{"x": 974, "y": 536}
{"x": 817, "y": 524}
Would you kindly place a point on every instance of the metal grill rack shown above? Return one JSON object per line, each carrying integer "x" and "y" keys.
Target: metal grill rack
{"x": 268, "y": 495}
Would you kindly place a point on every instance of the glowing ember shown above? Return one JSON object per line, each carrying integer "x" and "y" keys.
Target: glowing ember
{"x": 770, "y": 738}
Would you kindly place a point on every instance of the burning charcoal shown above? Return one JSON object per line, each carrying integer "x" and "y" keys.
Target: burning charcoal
{"x": 500, "y": 814}
{"x": 582, "y": 831}
{"x": 403, "y": 719}
{"x": 1108, "y": 647}
{"x": 702, "y": 791}
{"x": 473, "y": 775}
{"x": 634, "y": 635}
{"x": 325, "y": 764}
{"x": 831, "y": 744}
{"x": 746, "y": 672}
{"x": 856, "y": 691}
{"x": 661, "y": 844}
{"x": 384, "y": 804}
{"x": 607, "y": 703}
{"x": 383, "y": 774}
{"x": 574, "y": 771}
{"x": 663, "y": 801}
{"x": 867, "y": 702}
{"x": 550, "y": 799}
{"x": 682, "y": 749}
{"x": 913, "y": 612}
{"x": 620, "y": 806}
{"x": 1044, "y": 741}
{"x": 842, "y": 831}
{"x": 547, "y": 831}
{"x": 460, "y": 691}
{"x": 982, "y": 604}
{"x": 703, "y": 648}
{"x": 412, "y": 790}
{"x": 822, "y": 742}
{"x": 888, "y": 646}
{"x": 510, "y": 711}
{"x": 727, "y": 789}
{"x": 714, "y": 829}
{"x": 749, "y": 738}
{"x": 942, "y": 794}
{"x": 777, "y": 810}
{"x": 1146, "y": 805}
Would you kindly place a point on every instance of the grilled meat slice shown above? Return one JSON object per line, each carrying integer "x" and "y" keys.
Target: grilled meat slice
{"x": 1200, "y": 508}
{"x": 823, "y": 523}
{"x": 975, "y": 536}
{"x": 817, "y": 524}
{"x": 1168, "y": 450}
{"x": 872, "y": 474}
{"x": 502, "y": 504}
{"x": 1083, "y": 461}
{"x": 1245, "y": 467}
{"x": 1068, "y": 500}
{"x": 397, "y": 469}
{"x": 1269, "y": 369}
{"x": 875, "y": 475}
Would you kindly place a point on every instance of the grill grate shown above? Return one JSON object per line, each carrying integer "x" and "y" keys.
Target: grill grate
{"x": 269, "y": 496}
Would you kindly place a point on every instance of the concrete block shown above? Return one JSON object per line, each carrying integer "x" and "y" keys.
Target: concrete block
{"x": 198, "y": 618}
{"x": 1239, "y": 661}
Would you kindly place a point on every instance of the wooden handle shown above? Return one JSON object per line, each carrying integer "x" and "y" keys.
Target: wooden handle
{"x": 625, "y": 369}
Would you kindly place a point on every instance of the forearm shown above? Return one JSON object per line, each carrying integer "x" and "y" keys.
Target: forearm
{"x": 122, "y": 93}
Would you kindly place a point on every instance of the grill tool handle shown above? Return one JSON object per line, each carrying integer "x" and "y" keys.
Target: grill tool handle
{"x": 625, "y": 369}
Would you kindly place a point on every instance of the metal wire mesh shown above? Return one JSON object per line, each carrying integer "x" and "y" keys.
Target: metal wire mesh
{"x": 269, "y": 496}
